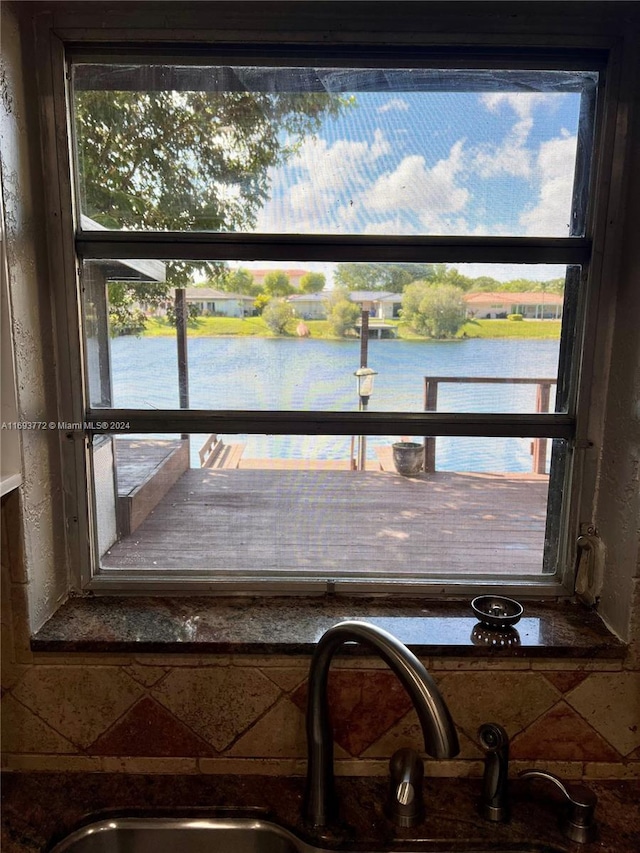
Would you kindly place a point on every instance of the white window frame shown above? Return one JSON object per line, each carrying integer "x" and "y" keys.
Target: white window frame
{"x": 583, "y": 424}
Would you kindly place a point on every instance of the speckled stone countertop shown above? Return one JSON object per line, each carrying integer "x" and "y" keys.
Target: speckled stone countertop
{"x": 294, "y": 625}
{"x": 39, "y": 808}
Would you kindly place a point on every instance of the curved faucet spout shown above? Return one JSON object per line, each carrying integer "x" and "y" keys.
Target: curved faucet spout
{"x": 440, "y": 738}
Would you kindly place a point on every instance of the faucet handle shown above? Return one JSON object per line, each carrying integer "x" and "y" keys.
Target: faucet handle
{"x": 406, "y": 805}
{"x": 579, "y": 824}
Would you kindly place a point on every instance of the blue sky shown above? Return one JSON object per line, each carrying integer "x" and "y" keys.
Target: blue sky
{"x": 434, "y": 163}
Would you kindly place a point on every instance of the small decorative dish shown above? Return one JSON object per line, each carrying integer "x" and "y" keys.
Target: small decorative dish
{"x": 496, "y": 611}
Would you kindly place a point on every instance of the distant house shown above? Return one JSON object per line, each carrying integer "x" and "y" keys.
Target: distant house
{"x": 534, "y": 305}
{"x": 210, "y": 302}
{"x": 381, "y": 305}
{"x": 309, "y": 306}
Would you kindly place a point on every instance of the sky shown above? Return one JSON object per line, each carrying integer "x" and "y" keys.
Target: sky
{"x": 456, "y": 163}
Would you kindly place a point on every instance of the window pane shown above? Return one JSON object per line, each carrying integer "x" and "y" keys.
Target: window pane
{"x": 302, "y": 507}
{"x": 477, "y": 338}
{"x": 332, "y": 150}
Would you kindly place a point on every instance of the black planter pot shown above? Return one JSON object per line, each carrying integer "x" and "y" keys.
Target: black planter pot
{"x": 408, "y": 457}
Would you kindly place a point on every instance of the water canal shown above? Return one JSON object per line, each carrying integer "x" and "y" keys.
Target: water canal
{"x": 305, "y": 374}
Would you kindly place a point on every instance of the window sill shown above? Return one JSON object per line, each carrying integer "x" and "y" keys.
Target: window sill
{"x": 200, "y": 625}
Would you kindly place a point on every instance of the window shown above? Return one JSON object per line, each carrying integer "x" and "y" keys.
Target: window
{"x": 245, "y": 448}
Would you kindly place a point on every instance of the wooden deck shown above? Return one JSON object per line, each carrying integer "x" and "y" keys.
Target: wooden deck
{"x": 301, "y": 523}
{"x": 146, "y": 468}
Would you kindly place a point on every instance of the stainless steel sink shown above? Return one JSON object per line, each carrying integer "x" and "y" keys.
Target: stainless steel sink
{"x": 229, "y": 835}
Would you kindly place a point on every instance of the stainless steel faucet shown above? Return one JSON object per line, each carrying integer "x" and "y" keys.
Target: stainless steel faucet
{"x": 494, "y": 801}
{"x": 440, "y": 738}
{"x": 578, "y": 820}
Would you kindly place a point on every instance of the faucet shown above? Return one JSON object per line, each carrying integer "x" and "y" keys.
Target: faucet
{"x": 494, "y": 802}
{"x": 578, "y": 820}
{"x": 406, "y": 805}
{"x": 440, "y": 738}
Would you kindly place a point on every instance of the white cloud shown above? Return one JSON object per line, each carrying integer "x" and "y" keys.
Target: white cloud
{"x": 394, "y": 104}
{"x": 555, "y": 171}
{"x": 522, "y": 103}
{"x": 326, "y": 180}
{"x": 511, "y": 157}
{"x": 413, "y": 187}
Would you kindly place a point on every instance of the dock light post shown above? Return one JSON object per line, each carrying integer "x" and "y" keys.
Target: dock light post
{"x": 364, "y": 377}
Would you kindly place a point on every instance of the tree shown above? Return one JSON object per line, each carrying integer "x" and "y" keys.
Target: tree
{"x": 343, "y": 314}
{"x": 381, "y": 276}
{"x": 187, "y": 160}
{"x": 239, "y": 281}
{"x": 261, "y": 302}
{"x": 312, "y": 282}
{"x": 277, "y": 314}
{"x": 277, "y": 283}
{"x": 436, "y": 311}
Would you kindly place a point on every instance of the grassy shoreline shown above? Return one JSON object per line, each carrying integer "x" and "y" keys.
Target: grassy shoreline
{"x": 319, "y": 329}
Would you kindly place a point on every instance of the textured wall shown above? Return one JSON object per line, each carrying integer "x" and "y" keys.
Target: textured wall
{"x": 32, "y": 327}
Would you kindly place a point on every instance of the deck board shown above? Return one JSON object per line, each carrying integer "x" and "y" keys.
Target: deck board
{"x": 308, "y": 522}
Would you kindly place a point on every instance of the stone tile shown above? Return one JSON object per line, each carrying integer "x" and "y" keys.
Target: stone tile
{"x": 562, "y": 735}
{"x": 363, "y": 663}
{"x": 267, "y": 661}
{"x": 173, "y": 766}
{"x": 174, "y": 660}
{"x": 565, "y": 681}
{"x": 457, "y": 664}
{"x": 618, "y": 770}
{"x": 77, "y": 659}
{"x": 360, "y": 767}
{"x": 363, "y": 706}
{"x": 20, "y": 623}
{"x": 12, "y": 542}
{"x": 54, "y": 763}
{"x": 564, "y": 769}
{"x": 148, "y": 729}
{"x": 147, "y": 675}
{"x": 219, "y": 703}
{"x": 610, "y": 702}
{"x": 408, "y": 732}
{"x": 253, "y": 766}
{"x": 79, "y": 702}
{"x": 453, "y": 769}
{"x": 513, "y": 699}
{"x": 23, "y": 731}
{"x": 279, "y": 734}
{"x": 286, "y": 677}
{"x": 578, "y": 665}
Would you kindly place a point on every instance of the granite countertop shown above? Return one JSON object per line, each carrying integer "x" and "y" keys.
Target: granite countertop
{"x": 41, "y": 807}
{"x": 290, "y": 625}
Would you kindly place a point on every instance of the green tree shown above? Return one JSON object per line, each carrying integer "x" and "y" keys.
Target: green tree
{"x": 342, "y": 314}
{"x": 187, "y": 160}
{"x": 277, "y": 283}
{"x": 436, "y": 311}
{"x": 239, "y": 281}
{"x": 261, "y": 301}
{"x": 381, "y": 276}
{"x": 312, "y": 282}
{"x": 277, "y": 314}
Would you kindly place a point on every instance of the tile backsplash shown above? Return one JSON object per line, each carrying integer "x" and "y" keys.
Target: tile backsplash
{"x": 245, "y": 714}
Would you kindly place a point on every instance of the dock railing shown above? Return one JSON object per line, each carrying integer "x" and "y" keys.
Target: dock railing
{"x": 543, "y": 397}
